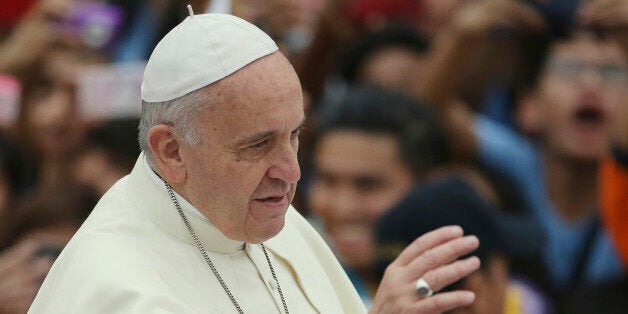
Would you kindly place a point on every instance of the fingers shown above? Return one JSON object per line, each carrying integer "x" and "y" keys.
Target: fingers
{"x": 483, "y": 17}
{"x": 21, "y": 275}
{"x": 442, "y": 254}
{"x": 606, "y": 13}
{"x": 600, "y": 6}
{"x": 17, "y": 255}
{"x": 529, "y": 17}
{"x": 430, "y": 257}
{"x": 426, "y": 242}
{"x": 17, "y": 300}
{"x": 448, "y": 274}
{"x": 521, "y": 15}
{"x": 442, "y": 302}
{"x": 30, "y": 273}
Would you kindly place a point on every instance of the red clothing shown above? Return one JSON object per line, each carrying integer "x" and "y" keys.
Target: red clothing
{"x": 614, "y": 198}
{"x": 12, "y": 10}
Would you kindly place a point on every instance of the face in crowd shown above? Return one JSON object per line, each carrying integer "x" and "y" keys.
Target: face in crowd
{"x": 360, "y": 175}
{"x": 574, "y": 103}
{"x": 371, "y": 149}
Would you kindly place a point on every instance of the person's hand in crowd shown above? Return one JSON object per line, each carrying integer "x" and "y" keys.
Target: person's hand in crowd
{"x": 482, "y": 39}
{"x": 433, "y": 258}
{"x": 21, "y": 275}
{"x": 609, "y": 16}
{"x": 481, "y": 19}
{"x": 32, "y": 36}
{"x": 470, "y": 42}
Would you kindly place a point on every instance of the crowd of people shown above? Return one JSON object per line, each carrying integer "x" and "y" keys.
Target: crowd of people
{"x": 506, "y": 117}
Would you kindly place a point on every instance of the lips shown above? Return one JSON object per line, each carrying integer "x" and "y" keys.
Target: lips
{"x": 279, "y": 200}
{"x": 272, "y": 199}
{"x": 589, "y": 115}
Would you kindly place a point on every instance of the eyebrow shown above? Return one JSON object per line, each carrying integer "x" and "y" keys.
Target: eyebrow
{"x": 264, "y": 134}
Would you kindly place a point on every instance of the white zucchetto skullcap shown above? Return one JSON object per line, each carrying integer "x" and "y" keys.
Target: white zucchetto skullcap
{"x": 201, "y": 50}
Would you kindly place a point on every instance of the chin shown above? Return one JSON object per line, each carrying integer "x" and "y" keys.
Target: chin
{"x": 276, "y": 227}
{"x": 359, "y": 263}
{"x": 268, "y": 231}
{"x": 356, "y": 258}
{"x": 588, "y": 154}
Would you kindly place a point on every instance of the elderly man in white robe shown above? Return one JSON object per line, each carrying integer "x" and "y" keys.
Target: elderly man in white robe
{"x": 203, "y": 223}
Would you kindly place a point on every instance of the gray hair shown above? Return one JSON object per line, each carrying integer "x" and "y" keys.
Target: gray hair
{"x": 179, "y": 113}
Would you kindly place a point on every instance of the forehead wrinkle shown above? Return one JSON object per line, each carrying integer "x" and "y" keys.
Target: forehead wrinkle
{"x": 245, "y": 90}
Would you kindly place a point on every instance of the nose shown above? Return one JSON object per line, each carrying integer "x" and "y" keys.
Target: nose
{"x": 591, "y": 78}
{"x": 346, "y": 203}
{"x": 285, "y": 165}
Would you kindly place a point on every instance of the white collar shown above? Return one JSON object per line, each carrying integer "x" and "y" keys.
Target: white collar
{"x": 182, "y": 201}
{"x": 162, "y": 211}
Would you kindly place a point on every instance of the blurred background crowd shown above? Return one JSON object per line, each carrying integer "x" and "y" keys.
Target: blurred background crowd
{"x": 507, "y": 117}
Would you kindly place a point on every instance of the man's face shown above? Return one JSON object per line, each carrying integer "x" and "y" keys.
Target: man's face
{"x": 578, "y": 95}
{"x": 243, "y": 174}
{"x": 359, "y": 176}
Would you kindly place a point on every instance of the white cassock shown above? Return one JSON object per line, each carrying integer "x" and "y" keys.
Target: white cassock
{"x": 135, "y": 255}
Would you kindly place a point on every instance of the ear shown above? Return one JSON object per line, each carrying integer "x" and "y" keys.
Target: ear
{"x": 529, "y": 114}
{"x": 165, "y": 146}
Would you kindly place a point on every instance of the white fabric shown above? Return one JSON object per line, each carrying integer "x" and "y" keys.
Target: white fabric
{"x": 134, "y": 255}
{"x": 199, "y": 51}
{"x": 182, "y": 201}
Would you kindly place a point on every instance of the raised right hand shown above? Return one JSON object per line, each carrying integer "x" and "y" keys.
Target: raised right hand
{"x": 432, "y": 257}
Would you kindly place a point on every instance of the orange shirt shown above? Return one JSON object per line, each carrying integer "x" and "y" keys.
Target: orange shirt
{"x": 614, "y": 198}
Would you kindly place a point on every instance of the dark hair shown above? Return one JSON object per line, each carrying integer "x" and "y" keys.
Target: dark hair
{"x": 452, "y": 200}
{"x": 353, "y": 58}
{"x": 15, "y": 168}
{"x": 64, "y": 204}
{"x": 376, "y": 110}
{"x": 118, "y": 139}
{"x": 538, "y": 47}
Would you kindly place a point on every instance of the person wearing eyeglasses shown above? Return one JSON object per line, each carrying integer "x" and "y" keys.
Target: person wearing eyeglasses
{"x": 565, "y": 105}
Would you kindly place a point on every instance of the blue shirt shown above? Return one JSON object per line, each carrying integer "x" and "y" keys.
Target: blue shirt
{"x": 503, "y": 150}
{"x": 360, "y": 287}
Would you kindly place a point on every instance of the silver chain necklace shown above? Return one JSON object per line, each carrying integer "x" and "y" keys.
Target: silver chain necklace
{"x": 211, "y": 264}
